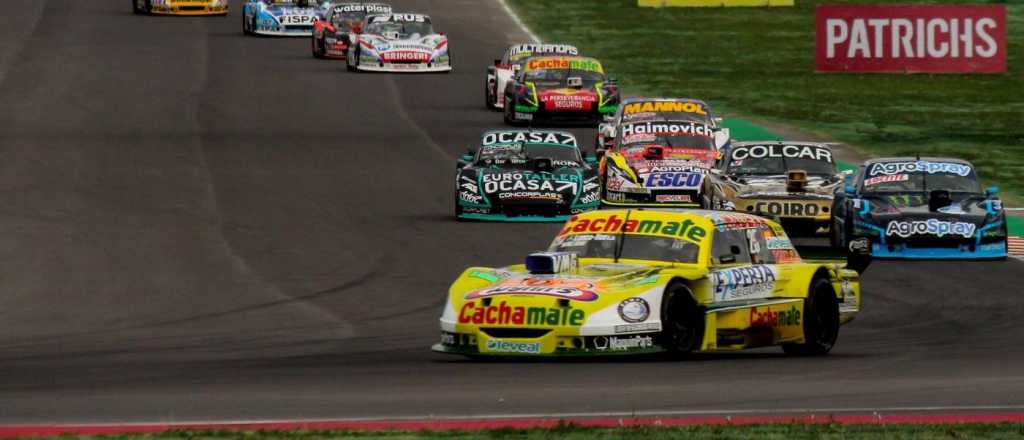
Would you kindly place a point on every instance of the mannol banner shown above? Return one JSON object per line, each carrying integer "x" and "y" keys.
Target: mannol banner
{"x": 911, "y": 38}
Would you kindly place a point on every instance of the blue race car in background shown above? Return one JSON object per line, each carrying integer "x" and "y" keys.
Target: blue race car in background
{"x": 280, "y": 17}
{"x": 920, "y": 208}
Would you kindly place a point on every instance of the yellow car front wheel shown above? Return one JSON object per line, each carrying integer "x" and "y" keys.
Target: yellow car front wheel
{"x": 681, "y": 319}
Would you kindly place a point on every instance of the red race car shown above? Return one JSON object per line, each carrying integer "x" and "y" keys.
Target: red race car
{"x": 331, "y": 30}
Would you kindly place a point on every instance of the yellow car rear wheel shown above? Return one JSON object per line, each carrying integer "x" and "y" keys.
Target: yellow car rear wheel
{"x": 821, "y": 321}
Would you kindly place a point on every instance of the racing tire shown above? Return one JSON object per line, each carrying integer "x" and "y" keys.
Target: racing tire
{"x": 135, "y": 7}
{"x": 508, "y": 113}
{"x": 837, "y": 236}
{"x": 348, "y": 60}
{"x": 318, "y": 50}
{"x": 246, "y": 26}
{"x": 458, "y": 210}
{"x": 821, "y": 321}
{"x": 834, "y": 240}
{"x": 682, "y": 320}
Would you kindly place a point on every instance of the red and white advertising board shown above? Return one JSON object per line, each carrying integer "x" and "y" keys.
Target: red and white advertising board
{"x": 911, "y": 38}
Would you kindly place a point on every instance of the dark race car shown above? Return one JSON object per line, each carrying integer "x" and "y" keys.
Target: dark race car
{"x": 658, "y": 164}
{"x": 639, "y": 109}
{"x": 792, "y": 181}
{"x": 566, "y": 89}
{"x": 521, "y": 175}
{"x": 332, "y": 29}
{"x": 920, "y": 208}
{"x": 505, "y": 67}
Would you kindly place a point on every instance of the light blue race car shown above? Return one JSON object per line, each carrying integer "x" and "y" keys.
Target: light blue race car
{"x": 291, "y": 18}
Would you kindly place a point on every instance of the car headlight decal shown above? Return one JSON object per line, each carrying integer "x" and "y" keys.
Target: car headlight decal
{"x": 634, "y": 310}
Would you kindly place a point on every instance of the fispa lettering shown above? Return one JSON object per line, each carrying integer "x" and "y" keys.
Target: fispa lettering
{"x": 788, "y": 209}
{"x": 562, "y": 63}
{"x": 931, "y": 226}
{"x": 518, "y": 137}
{"x": 744, "y": 282}
{"x": 921, "y": 166}
{"x": 674, "y": 129}
{"x": 790, "y": 151}
{"x": 664, "y": 107}
{"x": 613, "y": 224}
{"x": 504, "y": 314}
{"x": 771, "y": 318}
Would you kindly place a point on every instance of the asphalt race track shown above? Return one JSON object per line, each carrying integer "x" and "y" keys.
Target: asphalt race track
{"x": 197, "y": 225}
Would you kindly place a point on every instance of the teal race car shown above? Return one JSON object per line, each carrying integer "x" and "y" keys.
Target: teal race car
{"x": 525, "y": 176}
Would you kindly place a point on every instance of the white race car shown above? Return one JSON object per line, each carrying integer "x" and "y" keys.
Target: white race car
{"x": 504, "y": 68}
{"x": 399, "y": 43}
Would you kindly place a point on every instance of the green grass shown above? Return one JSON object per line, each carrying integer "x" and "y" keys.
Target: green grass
{"x": 570, "y": 432}
{"x": 759, "y": 62}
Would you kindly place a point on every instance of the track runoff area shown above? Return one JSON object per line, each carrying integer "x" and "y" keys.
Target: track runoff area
{"x": 187, "y": 248}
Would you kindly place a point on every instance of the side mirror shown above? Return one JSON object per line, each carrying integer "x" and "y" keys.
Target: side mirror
{"x": 992, "y": 191}
{"x": 858, "y": 254}
{"x": 719, "y": 120}
{"x": 722, "y": 138}
{"x": 590, "y": 159}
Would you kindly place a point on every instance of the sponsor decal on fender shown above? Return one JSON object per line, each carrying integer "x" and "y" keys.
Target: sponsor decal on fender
{"x": 756, "y": 281}
{"x": 504, "y": 314}
{"x": 911, "y": 38}
{"x": 770, "y": 318}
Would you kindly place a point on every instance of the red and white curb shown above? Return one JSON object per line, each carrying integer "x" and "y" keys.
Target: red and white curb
{"x": 484, "y": 423}
{"x": 1015, "y": 246}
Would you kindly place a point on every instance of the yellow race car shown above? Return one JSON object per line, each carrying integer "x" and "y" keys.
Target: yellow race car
{"x": 180, "y": 7}
{"x": 644, "y": 281}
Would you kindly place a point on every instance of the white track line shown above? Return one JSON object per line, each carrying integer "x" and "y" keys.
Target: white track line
{"x": 579, "y": 415}
{"x": 518, "y": 21}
